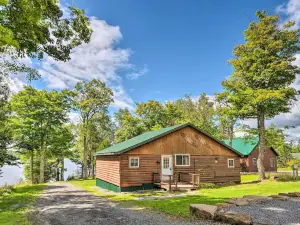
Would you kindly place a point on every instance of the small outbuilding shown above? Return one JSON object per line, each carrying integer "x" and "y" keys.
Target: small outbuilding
{"x": 177, "y": 155}
{"x": 250, "y": 149}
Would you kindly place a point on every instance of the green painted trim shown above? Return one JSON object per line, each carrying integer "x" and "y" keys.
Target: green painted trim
{"x": 107, "y": 185}
{"x": 115, "y": 188}
{"x": 138, "y": 188}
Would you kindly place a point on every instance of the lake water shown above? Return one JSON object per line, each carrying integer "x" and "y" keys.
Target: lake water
{"x": 13, "y": 174}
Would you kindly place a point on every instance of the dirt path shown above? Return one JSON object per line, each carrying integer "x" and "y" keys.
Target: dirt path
{"x": 63, "y": 203}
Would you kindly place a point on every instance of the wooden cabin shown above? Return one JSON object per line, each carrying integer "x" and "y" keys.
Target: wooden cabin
{"x": 175, "y": 157}
{"x": 250, "y": 149}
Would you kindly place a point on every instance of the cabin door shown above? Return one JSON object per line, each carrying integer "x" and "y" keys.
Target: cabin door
{"x": 166, "y": 165}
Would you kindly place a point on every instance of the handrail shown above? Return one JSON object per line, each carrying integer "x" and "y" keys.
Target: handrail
{"x": 204, "y": 168}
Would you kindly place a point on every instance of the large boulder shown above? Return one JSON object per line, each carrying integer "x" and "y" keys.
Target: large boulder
{"x": 286, "y": 194}
{"x": 280, "y": 197}
{"x": 294, "y": 194}
{"x": 233, "y": 218}
{"x": 257, "y": 197}
{"x": 223, "y": 205}
{"x": 203, "y": 211}
{"x": 238, "y": 201}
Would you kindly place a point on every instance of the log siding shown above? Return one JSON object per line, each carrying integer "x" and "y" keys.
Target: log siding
{"x": 108, "y": 169}
{"x": 203, "y": 152}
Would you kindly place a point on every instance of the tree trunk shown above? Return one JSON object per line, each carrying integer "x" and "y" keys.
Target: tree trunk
{"x": 62, "y": 172}
{"x": 57, "y": 174}
{"x": 262, "y": 144}
{"x": 85, "y": 167}
{"x": 42, "y": 162}
{"x": 230, "y": 134}
{"x": 93, "y": 164}
{"x": 31, "y": 166}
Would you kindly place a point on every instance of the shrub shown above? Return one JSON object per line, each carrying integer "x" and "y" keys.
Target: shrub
{"x": 71, "y": 177}
{"x": 6, "y": 189}
{"x": 281, "y": 176}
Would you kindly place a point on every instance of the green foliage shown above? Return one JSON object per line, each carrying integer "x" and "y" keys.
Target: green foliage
{"x": 263, "y": 66}
{"x": 6, "y": 157}
{"x": 128, "y": 126}
{"x": 151, "y": 114}
{"x": 200, "y": 112}
{"x": 37, "y": 120}
{"x": 34, "y": 28}
{"x": 92, "y": 100}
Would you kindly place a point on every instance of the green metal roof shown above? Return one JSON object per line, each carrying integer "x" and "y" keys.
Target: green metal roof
{"x": 150, "y": 136}
{"x": 244, "y": 146}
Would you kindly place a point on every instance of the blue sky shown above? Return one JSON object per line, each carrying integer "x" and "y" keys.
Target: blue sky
{"x": 185, "y": 44}
{"x": 161, "y": 50}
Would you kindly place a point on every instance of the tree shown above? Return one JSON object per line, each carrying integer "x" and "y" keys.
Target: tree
{"x": 60, "y": 145}
{"x": 275, "y": 137}
{"x": 34, "y": 28}
{"x": 259, "y": 87}
{"x": 200, "y": 112}
{"x": 228, "y": 118}
{"x": 151, "y": 114}
{"x": 173, "y": 114}
{"x": 128, "y": 126}
{"x": 36, "y": 116}
{"x": 90, "y": 98}
{"x": 100, "y": 133}
{"x": 5, "y": 129}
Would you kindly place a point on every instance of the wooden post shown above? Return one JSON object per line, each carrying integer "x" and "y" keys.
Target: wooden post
{"x": 176, "y": 180}
{"x": 170, "y": 185}
{"x": 193, "y": 180}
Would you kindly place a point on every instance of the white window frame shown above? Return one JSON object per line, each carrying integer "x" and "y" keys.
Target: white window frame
{"x": 134, "y": 157}
{"x": 255, "y": 161}
{"x": 272, "y": 159}
{"x": 228, "y": 163}
{"x": 182, "y": 155}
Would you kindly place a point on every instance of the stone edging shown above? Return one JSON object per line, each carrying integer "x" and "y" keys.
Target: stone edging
{"x": 218, "y": 212}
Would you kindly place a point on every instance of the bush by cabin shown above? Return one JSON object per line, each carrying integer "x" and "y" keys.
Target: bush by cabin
{"x": 177, "y": 155}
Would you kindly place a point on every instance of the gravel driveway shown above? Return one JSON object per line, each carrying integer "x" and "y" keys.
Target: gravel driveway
{"x": 275, "y": 212}
{"x": 63, "y": 204}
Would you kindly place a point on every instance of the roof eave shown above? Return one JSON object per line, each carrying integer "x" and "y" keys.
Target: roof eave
{"x": 168, "y": 132}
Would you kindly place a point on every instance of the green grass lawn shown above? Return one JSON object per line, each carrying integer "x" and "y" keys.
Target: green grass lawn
{"x": 249, "y": 178}
{"x": 285, "y": 169}
{"x": 180, "y": 206}
{"x": 15, "y": 202}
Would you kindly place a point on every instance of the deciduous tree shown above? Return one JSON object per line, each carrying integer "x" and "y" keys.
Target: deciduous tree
{"x": 90, "y": 98}
{"x": 263, "y": 66}
{"x": 34, "y": 28}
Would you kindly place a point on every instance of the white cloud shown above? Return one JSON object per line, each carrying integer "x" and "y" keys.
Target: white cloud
{"x": 74, "y": 117}
{"x": 136, "y": 74}
{"x": 291, "y": 10}
{"x": 99, "y": 59}
{"x": 17, "y": 81}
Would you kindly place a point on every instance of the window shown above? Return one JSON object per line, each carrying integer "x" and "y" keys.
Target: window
{"x": 254, "y": 161}
{"x": 134, "y": 162}
{"x": 166, "y": 162}
{"x": 272, "y": 162}
{"x": 182, "y": 160}
{"x": 230, "y": 163}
